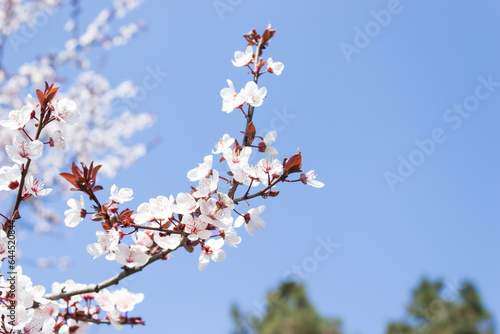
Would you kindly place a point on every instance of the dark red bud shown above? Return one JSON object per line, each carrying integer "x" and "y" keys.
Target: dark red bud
{"x": 13, "y": 185}
{"x": 262, "y": 147}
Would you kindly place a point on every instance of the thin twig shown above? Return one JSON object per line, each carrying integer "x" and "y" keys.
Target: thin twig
{"x": 112, "y": 280}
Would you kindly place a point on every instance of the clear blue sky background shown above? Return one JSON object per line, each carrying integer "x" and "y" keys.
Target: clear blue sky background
{"x": 352, "y": 121}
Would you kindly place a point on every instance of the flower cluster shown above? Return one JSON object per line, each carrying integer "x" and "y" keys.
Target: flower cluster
{"x": 206, "y": 217}
{"x": 105, "y": 108}
{"x": 34, "y": 116}
{"x": 33, "y": 313}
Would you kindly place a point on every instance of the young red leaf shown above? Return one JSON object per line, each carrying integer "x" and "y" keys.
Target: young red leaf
{"x": 294, "y": 164}
{"x": 40, "y": 96}
{"x": 250, "y": 132}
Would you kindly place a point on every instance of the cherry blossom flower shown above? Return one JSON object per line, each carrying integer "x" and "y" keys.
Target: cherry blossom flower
{"x": 195, "y": 227}
{"x": 216, "y": 211}
{"x": 166, "y": 241}
{"x": 48, "y": 310}
{"x": 186, "y": 204}
{"x": 35, "y": 187}
{"x": 254, "y": 95}
{"x": 73, "y": 326}
{"x": 237, "y": 160}
{"x": 243, "y": 58}
{"x": 33, "y": 326}
{"x": 106, "y": 244}
{"x": 10, "y": 177}
{"x": 48, "y": 326}
{"x": 142, "y": 238}
{"x": 230, "y": 99}
{"x": 36, "y": 294}
{"x": 125, "y": 300}
{"x": 21, "y": 150}
{"x": 252, "y": 220}
{"x": 274, "y": 67}
{"x": 265, "y": 145}
{"x": 203, "y": 170}
{"x": 77, "y": 212}
{"x": 57, "y": 140}
{"x": 223, "y": 144}
{"x": 229, "y": 235}
{"x": 65, "y": 111}
{"x": 105, "y": 300}
{"x": 310, "y": 179}
{"x": 22, "y": 316}
{"x": 207, "y": 185}
{"x": 131, "y": 256}
{"x": 160, "y": 208}
{"x": 114, "y": 317}
{"x": 269, "y": 170}
{"x": 120, "y": 196}
{"x": 19, "y": 118}
{"x": 211, "y": 250}
{"x": 143, "y": 214}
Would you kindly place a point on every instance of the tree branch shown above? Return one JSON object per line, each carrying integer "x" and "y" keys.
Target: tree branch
{"x": 112, "y": 280}
{"x": 234, "y": 183}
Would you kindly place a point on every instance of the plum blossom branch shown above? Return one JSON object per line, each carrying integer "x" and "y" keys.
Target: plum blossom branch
{"x": 201, "y": 217}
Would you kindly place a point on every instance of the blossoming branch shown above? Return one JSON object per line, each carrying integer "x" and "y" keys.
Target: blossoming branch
{"x": 205, "y": 218}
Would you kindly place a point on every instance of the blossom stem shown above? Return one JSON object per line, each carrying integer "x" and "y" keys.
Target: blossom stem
{"x": 113, "y": 280}
{"x": 259, "y": 193}
{"x": 249, "y": 116}
{"x": 157, "y": 229}
{"x": 27, "y": 134}
{"x": 249, "y": 187}
{"x": 225, "y": 179}
{"x": 244, "y": 113}
{"x": 237, "y": 212}
{"x": 24, "y": 173}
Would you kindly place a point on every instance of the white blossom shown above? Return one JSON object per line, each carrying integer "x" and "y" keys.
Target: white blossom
{"x": 243, "y": 58}
{"x": 21, "y": 150}
{"x": 120, "y": 196}
{"x": 274, "y": 67}
{"x": 76, "y": 214}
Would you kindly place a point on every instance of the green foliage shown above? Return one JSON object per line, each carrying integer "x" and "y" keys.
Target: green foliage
{"x": 440, "y": 309}
{"x": 288, "y": 311}
{"x": 435, "y": 308}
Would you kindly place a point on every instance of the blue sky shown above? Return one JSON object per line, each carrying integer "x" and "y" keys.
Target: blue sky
{"x": 357, "y": 117}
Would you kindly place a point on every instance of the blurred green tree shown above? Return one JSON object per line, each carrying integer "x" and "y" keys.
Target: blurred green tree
{"x": 288, "y": 311}
{"x": 435, "y": 308}
{"x": 438, "y": 308}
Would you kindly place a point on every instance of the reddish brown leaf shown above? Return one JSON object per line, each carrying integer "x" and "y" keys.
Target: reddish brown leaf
{"x": 76, "y": 170}
{"x": 106, "y": 226}
{"x": 51, "y": 95}
{"x": 40, "y": 96}
{"x": 250, "y": 132}
{"x": 70, "y": 178}
{"x": 294, "y": 164}
{"x": 97, "y": 188}
{"x": 273, "y": 193}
